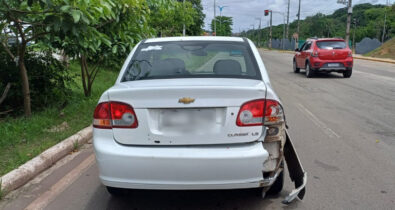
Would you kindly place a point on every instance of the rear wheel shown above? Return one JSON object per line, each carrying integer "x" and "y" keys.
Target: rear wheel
{"x": 347, "y": 73}
{"x": 309, "y": 72}
{"x": 296, "y": 69}
{"x": 277, "y": 186}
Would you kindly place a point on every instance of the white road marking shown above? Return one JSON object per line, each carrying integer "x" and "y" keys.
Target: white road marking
{"x": 43, "y": 200}
{"x": 318, "y": 122}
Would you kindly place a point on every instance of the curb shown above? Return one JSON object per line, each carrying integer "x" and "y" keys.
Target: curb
{"x": 275, "y": 50}
{"x": 374, "y": 59}
{"x": 24, "y": 173}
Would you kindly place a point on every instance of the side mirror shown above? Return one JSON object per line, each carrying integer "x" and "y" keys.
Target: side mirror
{"x": 297, "y": 50}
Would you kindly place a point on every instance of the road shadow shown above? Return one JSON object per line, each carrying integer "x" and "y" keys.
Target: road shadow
{"x": 320, "y": 75}
{"x": 203, "y": 199}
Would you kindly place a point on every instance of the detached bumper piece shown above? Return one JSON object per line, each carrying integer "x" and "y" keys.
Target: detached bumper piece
{"x": 296, "y": 172}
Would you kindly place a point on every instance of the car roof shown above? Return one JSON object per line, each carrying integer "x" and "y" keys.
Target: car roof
{"x": 325, "y": 39}
{"x": 195, "y": 38}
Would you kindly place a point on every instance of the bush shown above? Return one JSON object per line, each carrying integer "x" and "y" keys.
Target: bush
{"x": 47, "y": 78}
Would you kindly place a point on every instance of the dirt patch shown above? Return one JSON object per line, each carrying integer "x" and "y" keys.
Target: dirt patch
{"x": 387, "y": 50}
{"x": 58, "y": 128}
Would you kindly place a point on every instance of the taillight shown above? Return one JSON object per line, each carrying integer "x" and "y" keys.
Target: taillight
{"x": 273, "y": 112}
{"x": 260, "y": 112}
{"x": 101, "y": 116}
{"x": 114, "y": 115}
{"x": 349, "y": 53}
{"x": 314, "y": 54}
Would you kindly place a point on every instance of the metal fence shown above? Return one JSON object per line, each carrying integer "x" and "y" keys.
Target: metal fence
{"x": 366, "y": 45}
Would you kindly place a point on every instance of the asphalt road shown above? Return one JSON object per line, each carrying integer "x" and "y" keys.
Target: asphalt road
{"x": 343, "y": 130}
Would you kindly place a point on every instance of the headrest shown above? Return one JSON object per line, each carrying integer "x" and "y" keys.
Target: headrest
{"x": 227, "y": 67}
{"x": 168, "y": 67}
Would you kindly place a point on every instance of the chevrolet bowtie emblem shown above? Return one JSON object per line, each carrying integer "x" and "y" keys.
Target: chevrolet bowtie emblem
{"x": 186, "y": 100}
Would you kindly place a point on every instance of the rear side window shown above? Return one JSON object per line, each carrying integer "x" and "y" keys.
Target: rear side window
{"x": 330, "y": 45}
{"x": 307, "y": 46}
{"x": 192, "y": 59}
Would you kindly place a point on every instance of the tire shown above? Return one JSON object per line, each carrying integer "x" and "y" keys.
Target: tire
{"x": 347, "y": 73}
{"x": 116, "y": 192}
{"x": 309, "y": 71}
{"x": 277, "y": 186}
{"x": 296, "y": 69}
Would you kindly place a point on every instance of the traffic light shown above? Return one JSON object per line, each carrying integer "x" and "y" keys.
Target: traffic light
{"x": 266, "y": 12}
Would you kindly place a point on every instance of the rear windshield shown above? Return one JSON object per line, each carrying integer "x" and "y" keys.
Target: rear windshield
{"x": 330, "y": 45}
{"x": 192, "y": 59}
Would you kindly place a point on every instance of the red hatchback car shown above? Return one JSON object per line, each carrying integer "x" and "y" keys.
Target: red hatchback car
{"x": 324, "y": 55}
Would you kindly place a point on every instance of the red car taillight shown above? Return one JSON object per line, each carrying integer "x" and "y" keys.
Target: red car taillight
{"x": 349, "y": 53}
{"x": 109, "y": 115}
{"x": 260, "y": 112}
{"x": 314, "y": 54}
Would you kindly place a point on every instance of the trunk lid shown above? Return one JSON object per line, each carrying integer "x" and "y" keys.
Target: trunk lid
{"x": 332, "y": 49}
{"x": 165, "y": 120}
{"x": 333, "y": 54}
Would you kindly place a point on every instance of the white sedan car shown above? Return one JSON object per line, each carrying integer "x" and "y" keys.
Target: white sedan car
{"x": 193, "y": 113}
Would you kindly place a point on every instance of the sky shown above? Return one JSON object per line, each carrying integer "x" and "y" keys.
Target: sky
{"x": 245, "y": 12}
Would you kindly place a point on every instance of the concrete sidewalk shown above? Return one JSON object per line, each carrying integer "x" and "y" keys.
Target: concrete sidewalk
{"x": 386, "y": 60}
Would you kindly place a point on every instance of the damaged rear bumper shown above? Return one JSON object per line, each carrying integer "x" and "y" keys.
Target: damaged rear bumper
{"x": 296, "y": 171}
{"x": 233, "y": 166}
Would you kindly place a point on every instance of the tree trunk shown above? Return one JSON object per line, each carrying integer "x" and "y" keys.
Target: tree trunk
{"x": 84, "y": 75}
{"x": 25, "y": 84}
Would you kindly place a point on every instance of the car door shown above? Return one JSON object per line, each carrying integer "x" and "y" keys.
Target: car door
{"x": 298, "y": 56}
{"x": 305, "y": 54}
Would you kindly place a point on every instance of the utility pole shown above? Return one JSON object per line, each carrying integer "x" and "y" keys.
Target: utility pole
{"x": 215, "y": 21}
{"x": 259, "y": 31}
{"x": 289, "y": 1}
{"x": 270, "y": 31}
{"x": 353, "y": 35}
{"x": 253, "y": 32}
{"x": 284, "y": 19}
{"x": 349, "y": 13}
{"x": 282, "y": 42}
{"x": 183, "y": 26}
{"x": 298, "y": 29}
{"x": 220, "y": 15}
{"x": 385, "y": 19}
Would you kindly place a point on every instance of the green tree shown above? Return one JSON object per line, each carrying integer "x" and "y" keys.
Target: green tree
{"x": 196, "y": 28}
{"x": 23, "y": 22}
{"x": 224, "y": 25}
{"x": 369, "y": 19}
{"x": 167, "y": 16}
{"x": 112, "y": 29}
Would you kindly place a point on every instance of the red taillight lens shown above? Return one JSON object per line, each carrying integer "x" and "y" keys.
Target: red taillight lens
{"x": 101, "y": 116}
{"x": 251, "y": 113}
{"x": 123, "y": 116}
{"x": 273, "y": 112}
{"x": 260, "y": 112}
{"x": 114, "y": 115}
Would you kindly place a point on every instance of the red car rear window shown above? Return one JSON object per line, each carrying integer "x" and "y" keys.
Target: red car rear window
{"x": 330, "y": 45}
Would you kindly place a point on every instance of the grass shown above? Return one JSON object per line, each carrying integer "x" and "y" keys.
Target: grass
{"x": 24, "y": 138}
{"x": 387, "y": 50}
